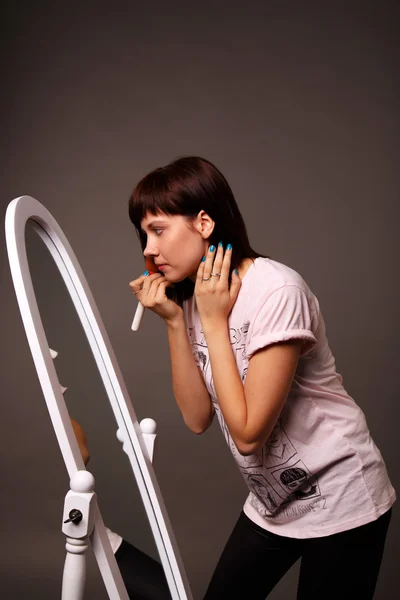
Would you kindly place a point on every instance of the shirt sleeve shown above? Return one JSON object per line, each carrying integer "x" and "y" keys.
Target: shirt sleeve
{"x": 284, "y": 315}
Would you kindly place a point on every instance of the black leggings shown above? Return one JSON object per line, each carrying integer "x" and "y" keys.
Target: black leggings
{"x": 344, "y": 565}
{"x": 143, "y": 576}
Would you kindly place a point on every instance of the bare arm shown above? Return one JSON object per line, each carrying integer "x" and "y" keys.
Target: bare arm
{"x": 251, "y": 411}
{"x": 190, "y": 391}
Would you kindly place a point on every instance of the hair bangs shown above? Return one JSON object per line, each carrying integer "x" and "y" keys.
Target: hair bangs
{"x": 152, "y": 196}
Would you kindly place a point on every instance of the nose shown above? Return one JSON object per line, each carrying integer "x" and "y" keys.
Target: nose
{"x": 150, "y": 250}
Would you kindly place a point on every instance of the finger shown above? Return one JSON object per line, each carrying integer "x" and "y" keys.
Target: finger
{"x": 147, "y": 294}
{"x": 137, "y": 284}
{"x": 151, "y": 282}
{"x": 154, "y": 284}
{"x": 210, "y": 256}
{"x": 200, "y": 272}
{"x": 217, "y": 266}
{"x": 226, "y": 265}
{"x": 161, "y": 290}
{"x": 235, "y": 286}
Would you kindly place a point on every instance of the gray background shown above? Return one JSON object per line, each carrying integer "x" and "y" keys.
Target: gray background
{"x": 297, "y": 104}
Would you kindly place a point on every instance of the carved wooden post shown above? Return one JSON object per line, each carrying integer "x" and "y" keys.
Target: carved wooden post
{"x": 78, "y": 523}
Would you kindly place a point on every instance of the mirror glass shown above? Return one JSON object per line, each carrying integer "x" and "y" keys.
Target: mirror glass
{"x": 87, "y": 402}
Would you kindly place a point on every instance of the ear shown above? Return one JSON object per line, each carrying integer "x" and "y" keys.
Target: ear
{"x": 204, "y": 224}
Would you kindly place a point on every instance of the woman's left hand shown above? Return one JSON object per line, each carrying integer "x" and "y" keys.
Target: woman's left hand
{"x": 214, "y": 297}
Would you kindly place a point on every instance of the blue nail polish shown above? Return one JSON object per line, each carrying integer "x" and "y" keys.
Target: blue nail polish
{"x": 221, "y": 244}
{"x": 203, "y": 259}
{"x": 212, "y": 248}
{"x": 229, "y": 247}
{"x": 237, "y": 272}
{"x": 146, "y": 273}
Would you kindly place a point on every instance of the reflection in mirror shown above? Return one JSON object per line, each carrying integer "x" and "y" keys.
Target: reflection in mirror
{"x": 94, "y": 422}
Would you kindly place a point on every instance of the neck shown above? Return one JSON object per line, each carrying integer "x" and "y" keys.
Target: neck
{"x": 244, "y": 266}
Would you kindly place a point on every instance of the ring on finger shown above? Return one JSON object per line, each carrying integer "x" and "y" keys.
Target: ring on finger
{"x": 206, "y": 278}
{"x": 215, "y": 274}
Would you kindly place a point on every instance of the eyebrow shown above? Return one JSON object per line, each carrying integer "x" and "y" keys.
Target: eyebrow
{"x": 155, "y": 222}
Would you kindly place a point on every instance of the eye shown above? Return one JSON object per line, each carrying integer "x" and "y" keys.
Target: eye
{"x": 158, "y": 231}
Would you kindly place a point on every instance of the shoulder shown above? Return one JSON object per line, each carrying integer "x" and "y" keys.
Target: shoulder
{"x": 279, "y": 306}
{"x": 274, "y": 292}
{"x": 267, "y": 276}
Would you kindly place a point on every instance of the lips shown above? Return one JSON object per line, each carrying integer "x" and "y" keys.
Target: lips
{"x": 161, "y": 267}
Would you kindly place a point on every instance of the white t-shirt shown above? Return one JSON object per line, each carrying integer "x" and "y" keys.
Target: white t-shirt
{"x": 319, "y": 472}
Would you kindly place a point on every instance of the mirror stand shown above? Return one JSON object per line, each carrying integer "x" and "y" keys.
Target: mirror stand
{"x": 79, "y": 518}
{"x": 138, "y": 444}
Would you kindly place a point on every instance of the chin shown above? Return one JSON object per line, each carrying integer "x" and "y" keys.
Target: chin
{"x": 172, "y": 278}
{"x": 177, "y": 276}
{"x": 176, "y": 279}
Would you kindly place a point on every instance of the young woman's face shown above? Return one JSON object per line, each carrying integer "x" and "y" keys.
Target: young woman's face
{"x": 173, "y": 245}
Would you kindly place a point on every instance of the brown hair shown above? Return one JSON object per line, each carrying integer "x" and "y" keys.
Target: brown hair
{"x": 185, "y": 187}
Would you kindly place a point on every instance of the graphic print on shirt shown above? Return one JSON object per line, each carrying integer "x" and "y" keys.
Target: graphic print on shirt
{"x": 289, "y": 483}
{"x": 202, "y": 360}
{"x": 201, "y": 357}
{"x": 263, "y": 492}
{"x": 297, "y": 481}
{"x": 238, "y": 339}
{"x": 274, "y": 474}
{"x": 278, "y": 448}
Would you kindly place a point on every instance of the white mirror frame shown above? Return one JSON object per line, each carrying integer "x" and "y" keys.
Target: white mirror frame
{"x": 19, "y": 212}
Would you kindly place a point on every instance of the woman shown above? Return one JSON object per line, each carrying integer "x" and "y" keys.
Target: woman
{"x": 248, "y": 344}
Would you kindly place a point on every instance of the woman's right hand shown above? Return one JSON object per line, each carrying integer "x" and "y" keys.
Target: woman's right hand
{"x": 150, "y": 291}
